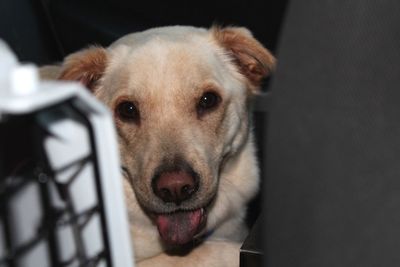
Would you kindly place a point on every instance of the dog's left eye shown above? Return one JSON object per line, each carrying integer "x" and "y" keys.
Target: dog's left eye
{"x": 208, "y": 102}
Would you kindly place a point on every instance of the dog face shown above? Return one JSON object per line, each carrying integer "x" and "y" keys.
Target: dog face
{"x": 180, "y": 99}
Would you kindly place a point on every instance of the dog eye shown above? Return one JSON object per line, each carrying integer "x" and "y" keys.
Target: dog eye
{"x": 127, "y": 111}
{"x": 208, "y": 102}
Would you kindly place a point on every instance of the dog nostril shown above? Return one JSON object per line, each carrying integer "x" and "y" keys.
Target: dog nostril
{"x": 165, "y": 194}
{"x": 186, "y": 191}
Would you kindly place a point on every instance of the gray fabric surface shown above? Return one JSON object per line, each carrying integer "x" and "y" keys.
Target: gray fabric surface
{"x": 332, "y": 189}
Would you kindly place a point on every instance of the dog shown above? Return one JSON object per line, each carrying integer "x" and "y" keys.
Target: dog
{"x": 181, "y": 98}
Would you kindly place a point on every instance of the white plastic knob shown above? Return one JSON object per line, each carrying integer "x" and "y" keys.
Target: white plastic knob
{"x": 24, "y": 80}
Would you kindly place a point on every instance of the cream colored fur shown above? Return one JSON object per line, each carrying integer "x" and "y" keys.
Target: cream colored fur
{"x": 165, "y": 71}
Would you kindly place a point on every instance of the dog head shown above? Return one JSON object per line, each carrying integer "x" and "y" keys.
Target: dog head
{"x": 180, "y": 98}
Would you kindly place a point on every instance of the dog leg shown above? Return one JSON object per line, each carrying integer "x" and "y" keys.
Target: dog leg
{"x": 210, "y": 254}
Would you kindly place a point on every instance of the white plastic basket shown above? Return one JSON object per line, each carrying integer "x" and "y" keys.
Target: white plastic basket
{"x": 61, "y": 195}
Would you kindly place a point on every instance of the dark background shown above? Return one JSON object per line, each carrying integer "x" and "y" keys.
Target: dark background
{"x": 44, "y": 31}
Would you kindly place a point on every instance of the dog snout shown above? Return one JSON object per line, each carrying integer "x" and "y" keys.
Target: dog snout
{"x": 175, "y": 186}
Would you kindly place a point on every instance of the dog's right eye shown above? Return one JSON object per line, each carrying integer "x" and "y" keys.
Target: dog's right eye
{"x": 127, "y": 111}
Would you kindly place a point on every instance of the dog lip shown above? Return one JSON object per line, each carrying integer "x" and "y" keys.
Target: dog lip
{"x": 154, "y": 211}
{"x": 202, "y": 210}
{"x": 172, "y": 208}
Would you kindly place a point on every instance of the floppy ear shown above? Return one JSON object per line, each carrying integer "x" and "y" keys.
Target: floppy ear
{"x": 254, "y": 61}
{"x": 86, "y": 66}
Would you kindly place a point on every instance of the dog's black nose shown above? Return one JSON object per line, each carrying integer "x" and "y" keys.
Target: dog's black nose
{"x": 175, "y": 186}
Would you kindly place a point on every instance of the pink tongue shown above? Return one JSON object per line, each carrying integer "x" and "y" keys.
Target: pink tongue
{"x": 180, "y": 227}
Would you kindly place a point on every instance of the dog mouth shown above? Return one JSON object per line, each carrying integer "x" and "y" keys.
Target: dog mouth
{"x": 180, "y": 227}
{"x": 180, "y": 223}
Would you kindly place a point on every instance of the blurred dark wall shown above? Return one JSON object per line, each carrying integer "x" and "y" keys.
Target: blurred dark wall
{"x": 24, "y": 27}
{"x": 43, "y": 31}
{"x": 103, "y": 21}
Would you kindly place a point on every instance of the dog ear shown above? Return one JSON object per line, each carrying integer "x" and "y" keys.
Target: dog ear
{"x": 86, "y": 66}
{"x": 254, "y": 61}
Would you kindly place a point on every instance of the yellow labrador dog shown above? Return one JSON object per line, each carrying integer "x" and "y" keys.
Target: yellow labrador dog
{"x": 180, "y": 97}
